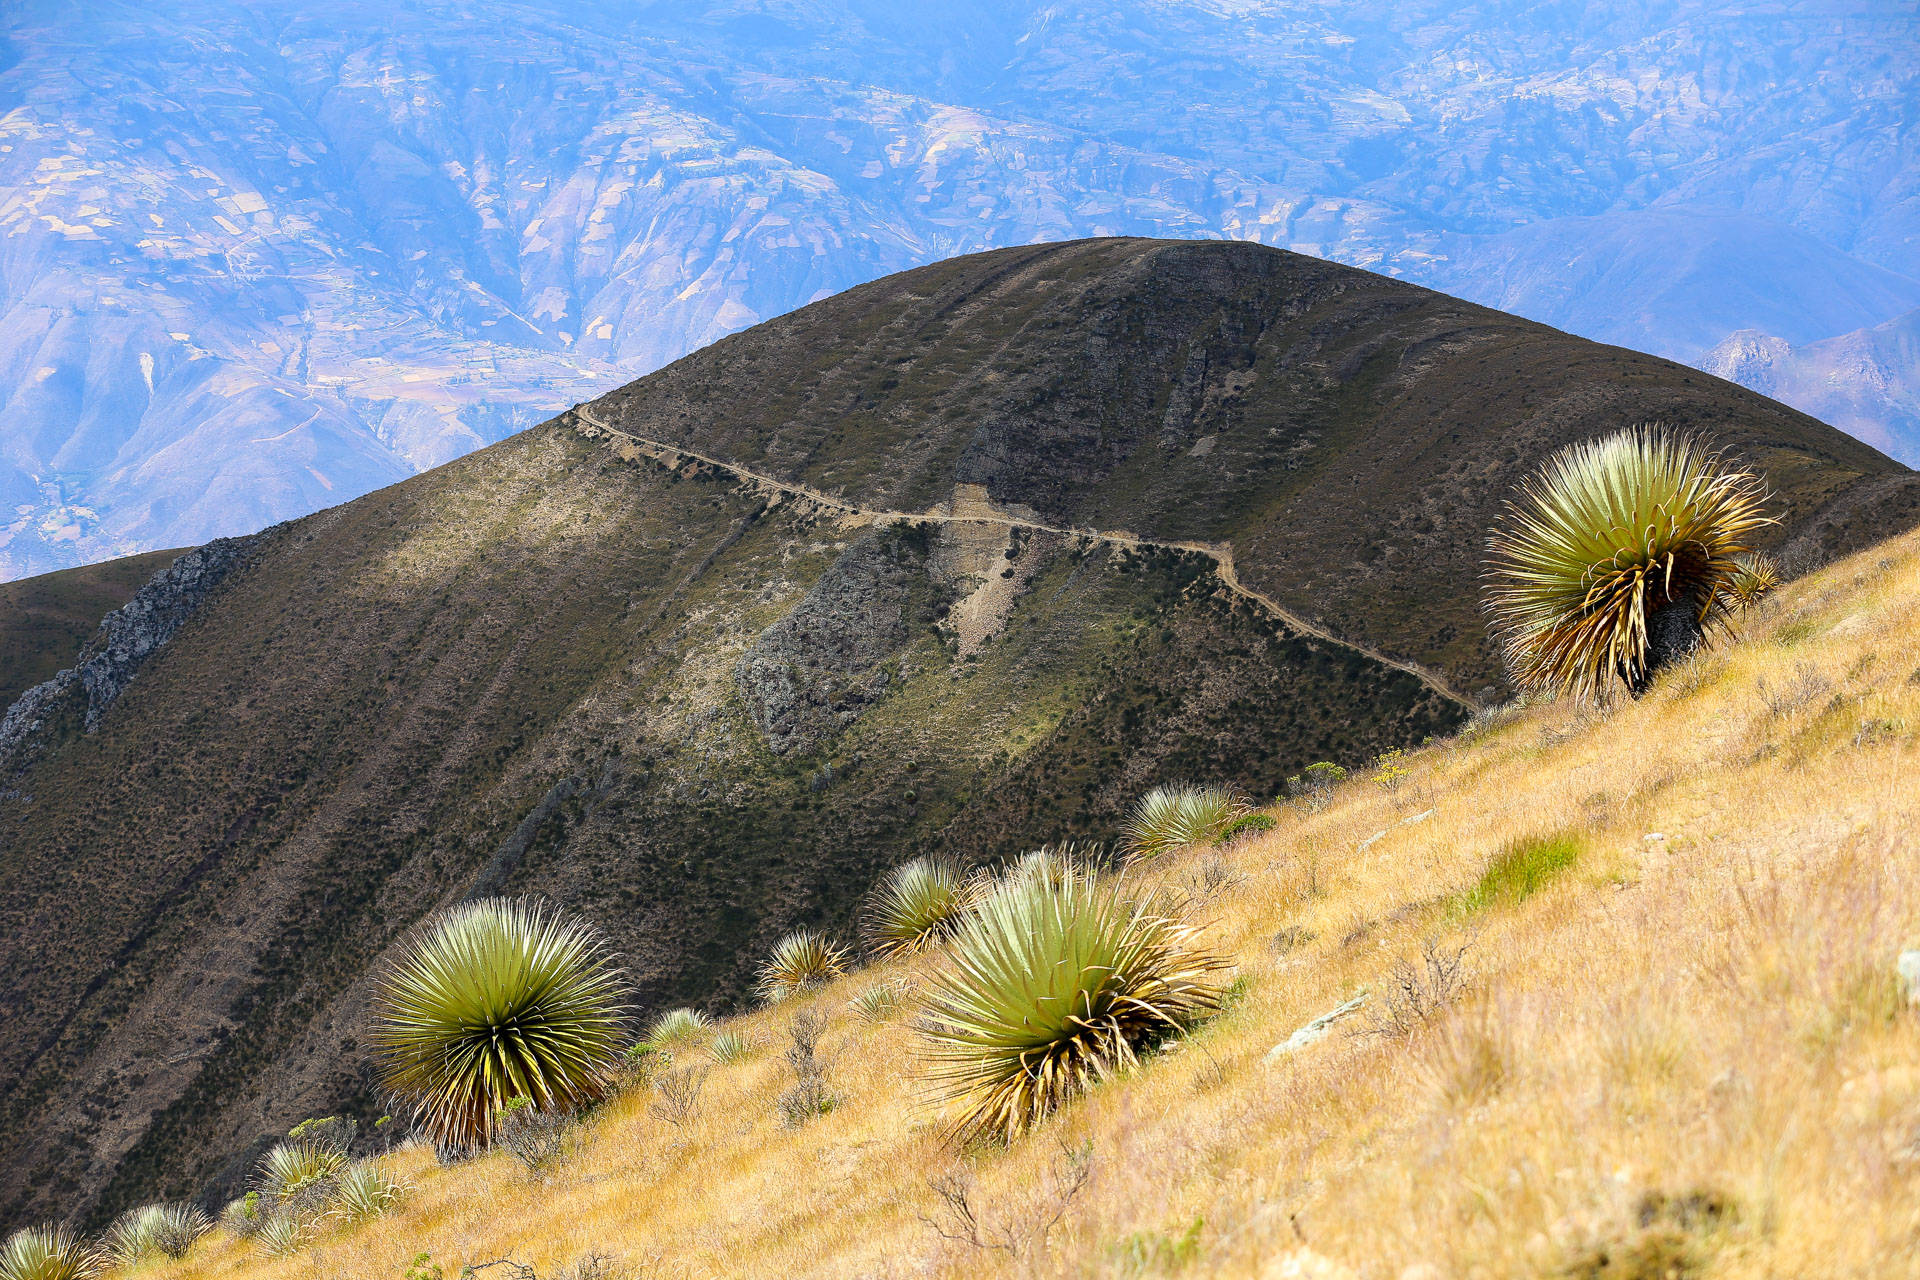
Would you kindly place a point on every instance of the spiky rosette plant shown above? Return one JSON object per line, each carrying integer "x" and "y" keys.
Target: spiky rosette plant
{"x": 1616, "y": 557}
{"x": 167, "y": 1230}
{"x": 801, "y": 960}
{"x": 48, "y": 1253}
{"x": 365, "y": 1190}
{"x": 676, "y": 1026}
{"x": 1755, "y": 576}
{"x": 916, "y": 906}
{"x": 497, "y": 1000}
{"x": 1050, "y": 987}
{"x": 1173, "y": 817}
{"x": 298, "y": 1169}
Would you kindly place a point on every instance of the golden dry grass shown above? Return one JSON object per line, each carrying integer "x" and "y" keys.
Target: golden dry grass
{"x": 1687, "y": 1054}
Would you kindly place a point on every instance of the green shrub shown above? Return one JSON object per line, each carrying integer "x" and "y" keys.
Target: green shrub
{"x": 1050, "y": 988}
{"x": 1603, "y": 537}
{"x": 1520, "y": 870}
{"x": 48, "y": 1253}
{"x": 676, "y": 1026}
{"x": 497, "y": 1000}
{"x": 916, "y": 906}
{"x": 243, "y": 1215}
{"x": 802, "y": 959}
{"x": 1247, "y": 824}
{"x": 1315, "y": 783}
{"x": 1171, "y": 818}
{"x": 365, "y": 1190}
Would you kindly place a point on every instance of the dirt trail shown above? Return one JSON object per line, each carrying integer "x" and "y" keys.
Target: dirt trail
{"x": 1221, "y": 553}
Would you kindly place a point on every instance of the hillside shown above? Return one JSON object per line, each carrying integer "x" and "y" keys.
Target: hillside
{"x": 45, "y": 620}
{"x": 1677, "y": 1048}
{"x": 681, "y": 663}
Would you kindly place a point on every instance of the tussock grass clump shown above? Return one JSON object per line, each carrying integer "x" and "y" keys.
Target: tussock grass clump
{"x": 1521, "y": 870}
{"x": 1615, "y": 557}
{"x": 676, "y": 1026}
{"x": 497, "y": 1000}
{"x": 916, "y": 906}
{"x": 1051, "y": 988}
{"x": 803, "y": 959}
{"x": 48, "y": 1253}
{"x": 366, "y": 1190}
{"x": 1171, "y": 818}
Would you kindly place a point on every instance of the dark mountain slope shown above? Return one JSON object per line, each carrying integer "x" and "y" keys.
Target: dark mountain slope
{"x": 705, "y": 711}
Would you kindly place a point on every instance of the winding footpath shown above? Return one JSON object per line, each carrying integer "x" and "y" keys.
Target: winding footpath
{"x": 1221, "y": 553}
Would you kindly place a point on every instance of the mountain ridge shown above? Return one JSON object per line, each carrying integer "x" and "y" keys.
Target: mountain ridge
{"x": 639, "y": 687}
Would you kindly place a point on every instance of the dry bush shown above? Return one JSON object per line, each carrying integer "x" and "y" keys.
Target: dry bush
{"x": 676, "y": 1096}
{"x": 809, "y": 1095}
{"x": 1419, "y": 993}
{"x": 1019, "y": 1230}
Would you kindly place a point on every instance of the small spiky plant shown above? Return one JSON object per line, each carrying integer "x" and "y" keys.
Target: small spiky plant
{"x": 1053, "y": 863}
{"x": 282, "y": 1235}
{"x": 1170, "y": 818}
{"x": 177, "y": 1227}
{"x": 48, "y": 1253}
{"x": 729, "y": 1046}
{"x": 676, "y": 1026}
{"x": 802, "y": 959}
{"x": 365, "y": 1190}
{"x": 497, "y": 1000}
{"x": 916, "y": 906}
{"x": 1615, "y": 558}
{"x": 877, "y": 1003}
{"x": 244, "y": 1214}
{"x": 295, "y": 1170}
{"x": 1052, "y": 987}
{"x": 1755, "y": 577}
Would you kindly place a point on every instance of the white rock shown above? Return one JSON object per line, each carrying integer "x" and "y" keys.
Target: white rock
{"x": 1313, "y": 1031}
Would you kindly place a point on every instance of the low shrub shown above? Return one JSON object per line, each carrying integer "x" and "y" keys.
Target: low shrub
{"x": 1049, "y": 989}
{"x": 802, "y": 960}
{"x": 537, "y": 1139}
{"x": 48, "y": 1253}
{"x": 1247, "y": 824}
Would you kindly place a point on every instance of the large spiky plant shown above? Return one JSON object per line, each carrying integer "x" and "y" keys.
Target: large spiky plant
{"x": 1616, "y": 557}
{"x": 1173, "y": 817}
{"x": 48, "y": 1253}
{"x": 1051, "y": 986}
{"x": 916, "y": 906}
{"x": 497, "y": 1000}
{"x": 802, "y": 959}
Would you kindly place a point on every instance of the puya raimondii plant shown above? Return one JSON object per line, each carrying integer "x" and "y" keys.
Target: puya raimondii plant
{"x": 496, "y": 1000}
{"x": 1053, "y": 986}
{"x": 1617, "y": 558}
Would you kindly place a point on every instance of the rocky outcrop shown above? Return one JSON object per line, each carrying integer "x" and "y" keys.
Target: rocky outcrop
{"x": 127, "y": 637}
{"x": 814, "y": 671}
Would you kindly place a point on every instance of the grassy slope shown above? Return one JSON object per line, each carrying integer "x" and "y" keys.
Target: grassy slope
{"x": 1685, "y": 1054}
{"x": 44, "y": 620}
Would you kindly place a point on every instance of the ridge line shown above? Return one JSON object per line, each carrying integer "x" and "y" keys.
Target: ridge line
{"x": 1221, "y": 553}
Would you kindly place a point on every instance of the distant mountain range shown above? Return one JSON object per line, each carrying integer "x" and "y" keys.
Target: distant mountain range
{"x": 258, "y": 258}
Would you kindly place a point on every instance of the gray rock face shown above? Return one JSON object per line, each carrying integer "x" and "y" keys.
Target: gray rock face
{"x": 127, "y": 638}
{"x": 814, "y": 671}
